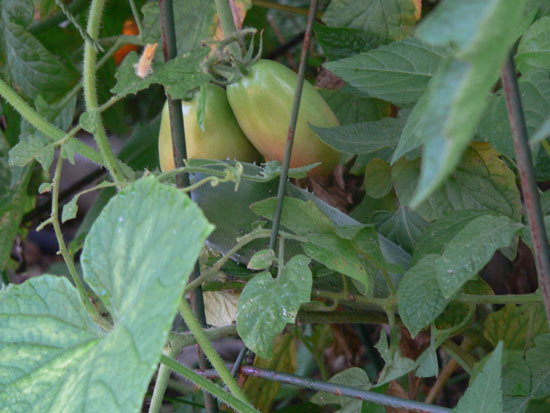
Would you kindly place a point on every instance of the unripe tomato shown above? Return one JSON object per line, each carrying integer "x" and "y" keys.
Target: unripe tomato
{"x": 262, "y": 102}
{"x": 130, "y": 29}
{"x": 222, "y": 138}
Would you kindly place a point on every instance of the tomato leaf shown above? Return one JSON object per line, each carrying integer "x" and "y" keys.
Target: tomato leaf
{"x": 267, "y": 304}
{"x": 360, "y": 138}
{"x": 392, "y": 19}
{"x": 179, "y": 75}
{"x": 485, "y": 394}
{"x": 398, "y": 72}
{"x": 533, "y": 49}
{"x": 534, "y": 87}
{"x": 341, "y": 42}
{"x": 457, "y": 94}
{"x": 481, "y": 180}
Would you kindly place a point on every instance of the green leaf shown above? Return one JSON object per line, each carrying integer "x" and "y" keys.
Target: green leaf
{"x": 137, "y": 258}
{"x": 419, "y": 297}
{"x": 534, "y": 48}
{"x": 515, "y": 325}
{"x": 179, "y": 75}
{"x": 404, "y": 228}
{"x": 392, "y": 19}
{"x": 534, "y": 88}
{"x": 140, "y": 150}
{"x": 539, "y": 363}
{"x": 377, "y": 180}
{"x": 323, "y": 244}
{"x": 341, "y": 42}
{"x": 463, "y": 259}
{"x": 481, "y": 180}
{"x": 194, "y": 22}
{"x": 398, "y": 72}
{"x": 542, "y": 133}
{"x": 440, "y": 232}
{"x": 396, "y": 365}
{"x": 31, "y": 147}
{"x": 267, "y": 304}
{"x": 485, "y": 394}
{"x": 32, "y": 68}
{"x": 360, "y": 138}
{"x": 261, "y": 260}
{"x": 410, "y": 137}
{"x": 14, "y": 202}
{"x": 458, "y": 92}
{"x": 349, "y": 108}
{"x": 516, "y": 375}
{"x": 353, "y": 377}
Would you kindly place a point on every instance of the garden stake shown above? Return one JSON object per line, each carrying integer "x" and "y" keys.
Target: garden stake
{"x": 337, "y": 389}
{"x": 527, "y": 178}
{"x": 292, "y": 126}
{"x": 170, "y": 51}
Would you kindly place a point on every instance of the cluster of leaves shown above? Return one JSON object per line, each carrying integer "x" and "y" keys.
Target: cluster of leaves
{"x": 441, "y": 198}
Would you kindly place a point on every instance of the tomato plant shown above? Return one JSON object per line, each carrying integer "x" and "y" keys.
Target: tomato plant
{"x": 415, "y": 276}
{"x": 221, "y": 139}
{"x": 262, "y": 103}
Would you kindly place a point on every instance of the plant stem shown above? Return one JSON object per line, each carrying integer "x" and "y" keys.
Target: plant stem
{"x": 500, "y": 299}
{"x": 447, "y": 372}
{"x": 210, "y": 387}
{"x": 162, "y": 378}
{"x": 462, "y": 357}
{"x": 527, "y": 178}
{"x": 90, "y": 88}
{"x": 61, "y": 242}
{"x": 29, "y": 114}
{"x": 206, "y": 346}
{"x": 337, "y": 389}
{"x": 291, "y": 128}
{"x": 343, "y": 317}
{"x": 283, "y": 7}
{"x": 228, "y": 24}
{"x": 137, "y": 17}
{"x": 212, "y": 334}
{"x": 75, "y": 7}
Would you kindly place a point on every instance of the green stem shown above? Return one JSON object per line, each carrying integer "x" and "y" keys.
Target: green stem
{"x": 206, "y": 346}
{"x": 292, "y": 127}
{"x": 61, "y": 242}
{"x": 90, "y": 96}
{"x": 246, "y": 239}
{"x": 236, "y": 403}
{"x": 228, "y": 24}
{"x": 29, "y": 114}
{"x": 500, "y": 299}
{"x": 75, "y": 7}
{"x": 283, "y": 7}
{"x": 212, "y": 334}
{"x": 162, "y": 378}
{"x": 464, "y": 359}
{"x": 343, "y": 317}
{"x": 137, "y": 18}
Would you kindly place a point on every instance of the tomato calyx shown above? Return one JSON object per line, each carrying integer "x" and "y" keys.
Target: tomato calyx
{"x": 229, "y": 65}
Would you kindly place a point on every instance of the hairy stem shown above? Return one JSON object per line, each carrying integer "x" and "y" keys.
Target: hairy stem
{"x": 163, "y": 376}
{"x": 206, "y": 346}
{"x": 90, "y": 90}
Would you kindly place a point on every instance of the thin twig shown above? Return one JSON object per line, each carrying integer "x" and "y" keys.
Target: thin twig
{"x": 527, "y": 178}
{"x": 292, "y": 126}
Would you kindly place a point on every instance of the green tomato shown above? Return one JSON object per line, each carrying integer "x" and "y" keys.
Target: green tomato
{"x": 262, "y": 103}
{"x": 222, "y": 138}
